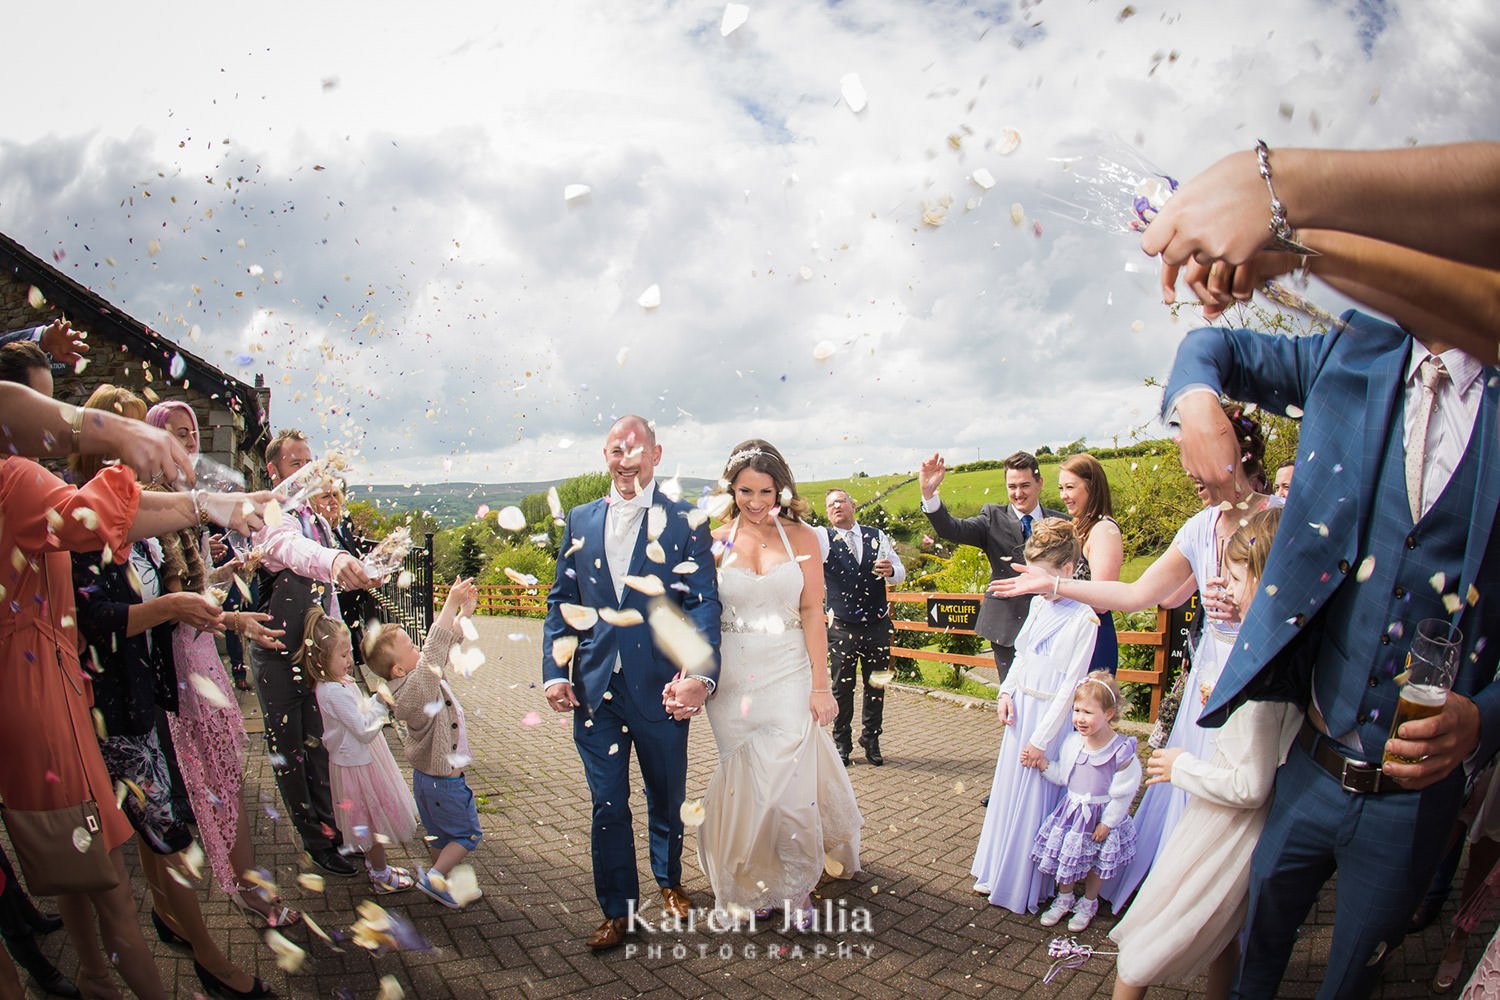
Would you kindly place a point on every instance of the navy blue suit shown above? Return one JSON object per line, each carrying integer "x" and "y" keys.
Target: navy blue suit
{"x": 624, "y": 709}
{"x": 1316, "y": 626}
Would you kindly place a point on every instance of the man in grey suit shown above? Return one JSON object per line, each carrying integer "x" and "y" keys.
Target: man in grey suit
{"x": 1001, "y": 531}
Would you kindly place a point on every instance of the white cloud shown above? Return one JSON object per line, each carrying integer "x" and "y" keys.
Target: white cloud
{"x": 432, "y": 266}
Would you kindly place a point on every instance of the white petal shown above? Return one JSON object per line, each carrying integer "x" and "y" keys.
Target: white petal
{"x": 984, "y": 178}
{"x": 735, "y": 14}
{"x": 563, "y": 648}
{"x": 1017, "y": 214}
{"x": 649, "y": 585}
{"x": 656, "y": 522}
{"x": 575, "y": 191}
{"x": 511, "y": 519}
{"x": 553, "y": 503}
{"x": 579, "y": 617}
{"x": 623, "y": 618}
{"x": 686, "y": 566}
{"x": 1010, "y": 141}
{"x": 208, "y": 690}
{"x": 650, "y": 298}
{"x": 824, "y": 350}
{"x": 854, "y": 92}
{"x": 678, "y": 638}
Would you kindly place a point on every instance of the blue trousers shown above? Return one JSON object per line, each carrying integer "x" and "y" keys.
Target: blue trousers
{"x": 1385, "y": 849}
{"x": 660, "y": 744}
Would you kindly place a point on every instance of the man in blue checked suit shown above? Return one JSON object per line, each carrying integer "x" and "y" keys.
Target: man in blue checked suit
{"x": 618, "y": 683}
{"x": 1398, "y": 479}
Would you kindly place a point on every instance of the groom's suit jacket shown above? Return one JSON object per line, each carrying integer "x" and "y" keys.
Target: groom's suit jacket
{"x": 584, "y": 578}
{"x": 997, "y": 530}
{"x": 1350, "y": 386}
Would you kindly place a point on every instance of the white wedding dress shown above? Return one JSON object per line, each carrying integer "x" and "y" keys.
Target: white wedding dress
{"x": 780, "y": 800}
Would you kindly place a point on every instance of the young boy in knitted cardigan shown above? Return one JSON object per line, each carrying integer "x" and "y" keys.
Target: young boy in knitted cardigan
{"x": 437, "y": 745}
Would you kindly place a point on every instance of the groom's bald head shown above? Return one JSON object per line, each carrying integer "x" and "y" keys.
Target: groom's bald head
{"x": 631, "y": 453}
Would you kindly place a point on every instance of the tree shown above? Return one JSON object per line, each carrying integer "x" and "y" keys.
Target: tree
{"x": 471, "y": 558}
{"x": 1043, "y": 450}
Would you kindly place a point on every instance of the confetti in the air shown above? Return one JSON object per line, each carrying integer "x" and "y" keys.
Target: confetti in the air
{"x": 650, "y": 298}
{"x": 983, "y": 178}
{"x": 854, "y": 92}
{"x": 693, "y": 814}
{"x": 575, "y": 191}
{"x": 511, "y": 519}
{"x": 824, "y": 350}
{"x": 578, "y": 617}
{"x": 735, "y": 15}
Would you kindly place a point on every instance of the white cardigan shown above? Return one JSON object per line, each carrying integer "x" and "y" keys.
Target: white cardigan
{"x": 351, "y": 723}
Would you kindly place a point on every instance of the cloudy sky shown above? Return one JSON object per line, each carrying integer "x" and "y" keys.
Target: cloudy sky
{"x": 365, "y": 202}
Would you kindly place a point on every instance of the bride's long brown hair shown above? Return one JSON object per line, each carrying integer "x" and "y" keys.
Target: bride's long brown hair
{"x": 762, "y": 456}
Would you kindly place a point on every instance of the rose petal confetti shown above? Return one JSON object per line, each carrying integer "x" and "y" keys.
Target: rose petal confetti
{"x": 1017, "y": 214}
{"x": 390, "y": 989}
{"x": 655, "y": 552}
{"x": 1009, "y": 142}
{"x": 824, "y": 350}
{"x": 311, "y": 881}
{"x": 983, "y": 178}
{"x": 833, "y": 867}
{"x": 735, "y": 15}
{"x": 854, "y": 92}
{"x": 516, "y": 576}
{"x": 579, "y": 617}
{"x": 403, "y": 579}
{"x": 656, "y": 522}
{"x": 575, "y": 191}
{"x": 177, "y": 367}
{"x": 1295, "y": 412}
{"x": 466, "y": 626}
{"x": 463, "y": 885}
{"x": 531, "y": 720}
{"x": 289, "y": 957}
{"x": 678, "y": 638}
{"x": 35, "y": 298}
{"x": 208, "y": 690}
{"x": 650, "y": 298}
{"x": 621, "y": 618}
{"x": 563, "y": 648}
{"x": 649, "y": 585}
{"x": 511, "y": 519}
{"x": 1366, "y": 569}
{"x": 880, "y": 678}
{"x": 693, "y": 814}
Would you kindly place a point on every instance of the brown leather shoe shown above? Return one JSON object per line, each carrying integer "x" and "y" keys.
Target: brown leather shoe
{"x": 609, "y": 934}
{"x": 676, "y": 902}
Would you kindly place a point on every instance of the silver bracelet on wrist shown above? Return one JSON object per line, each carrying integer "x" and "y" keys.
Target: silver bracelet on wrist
{"x": 1283, "y": 237}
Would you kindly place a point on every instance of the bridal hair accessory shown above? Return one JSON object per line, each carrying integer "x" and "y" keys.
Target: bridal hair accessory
{"x": 1094, "y": 680}
{"x": 745, "y": 456}
{"x": 1067, "y": 953}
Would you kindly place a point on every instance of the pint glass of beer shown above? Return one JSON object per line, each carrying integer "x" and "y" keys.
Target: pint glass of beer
{"x": 1430, "y": 668}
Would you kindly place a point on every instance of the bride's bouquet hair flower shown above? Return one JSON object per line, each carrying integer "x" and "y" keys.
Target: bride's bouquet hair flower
{"x": 762, "y": 456}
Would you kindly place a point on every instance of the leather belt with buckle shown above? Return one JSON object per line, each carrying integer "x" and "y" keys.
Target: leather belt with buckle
{"x": 1352, "y": 775}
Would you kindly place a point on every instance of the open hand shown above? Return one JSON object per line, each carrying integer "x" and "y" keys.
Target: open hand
{"x": 1028, "y": 580}
{"x": 931, "y": 475}
{"x": 64, "y": 344}
{"x": 198, "y": 610}
{"x": 252, "y": 628}
{"x": 463, "y": 596}
{"x": 1210, "y": 449}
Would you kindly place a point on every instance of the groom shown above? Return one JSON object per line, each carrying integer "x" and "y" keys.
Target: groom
{"x": 616, "y": 681}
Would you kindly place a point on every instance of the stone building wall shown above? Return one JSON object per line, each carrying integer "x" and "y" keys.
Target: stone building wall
{"x": 221, "y": 427}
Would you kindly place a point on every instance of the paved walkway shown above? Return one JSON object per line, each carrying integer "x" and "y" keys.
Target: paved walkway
{"x": 932, "y": 936}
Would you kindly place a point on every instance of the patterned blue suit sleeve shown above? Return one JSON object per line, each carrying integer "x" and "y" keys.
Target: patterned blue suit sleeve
{"x": 1272, "y": 371}
{"x": 564, "y": 591}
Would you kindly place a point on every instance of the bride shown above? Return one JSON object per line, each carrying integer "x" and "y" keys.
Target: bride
{"x": 780, "y": 802}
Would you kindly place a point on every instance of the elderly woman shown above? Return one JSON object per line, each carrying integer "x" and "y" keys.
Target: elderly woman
{"x": 128, "y": 620}
{"x": 49, "y": 757}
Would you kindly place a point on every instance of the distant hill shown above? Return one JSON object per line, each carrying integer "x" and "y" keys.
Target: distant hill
{"x": 454, "y": 503}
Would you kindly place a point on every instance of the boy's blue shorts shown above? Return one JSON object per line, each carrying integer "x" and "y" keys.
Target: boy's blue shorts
{"x": 447, "y": 809}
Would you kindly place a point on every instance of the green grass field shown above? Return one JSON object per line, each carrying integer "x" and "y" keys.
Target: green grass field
{"x": 861, "y": 489}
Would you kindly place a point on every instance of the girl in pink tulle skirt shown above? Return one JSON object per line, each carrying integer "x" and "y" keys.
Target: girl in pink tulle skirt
{"x": 372, "y": 802}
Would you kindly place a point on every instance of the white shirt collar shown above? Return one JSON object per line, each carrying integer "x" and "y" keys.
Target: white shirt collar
{"x": 1035, "y": 512}
{"x": 643, "y": 496}
{"x": 1462, "y": 369}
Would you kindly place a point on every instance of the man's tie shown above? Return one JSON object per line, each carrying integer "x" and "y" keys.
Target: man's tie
{"x": 1432, "y": 373}
{"x": 851, "y": 539}
{"x": 1026, "y": 526}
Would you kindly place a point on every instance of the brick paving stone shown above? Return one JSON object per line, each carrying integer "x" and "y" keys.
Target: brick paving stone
{"x": 933, "y": 935}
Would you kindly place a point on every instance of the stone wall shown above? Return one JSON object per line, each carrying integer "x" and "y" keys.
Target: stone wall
{"x": 220, "y": 428}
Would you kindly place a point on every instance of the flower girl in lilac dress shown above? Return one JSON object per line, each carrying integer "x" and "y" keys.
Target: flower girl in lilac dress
{"x": 1090, "y": 835}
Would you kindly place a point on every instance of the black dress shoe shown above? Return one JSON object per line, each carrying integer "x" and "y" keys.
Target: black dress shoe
{"x": 872, "y": 752}
{"x": 844, "y": 756}
{"x": 332, "y": 862}
{"x": 1425, "y": 915}
{"x": 986, "y": 800}
{"x": 166, "y": 935}
{"x": 214, "y": 987}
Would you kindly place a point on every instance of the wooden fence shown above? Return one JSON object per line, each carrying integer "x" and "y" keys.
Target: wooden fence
{"x": 519, "y": 600}
{"x": 1157, "y": 639}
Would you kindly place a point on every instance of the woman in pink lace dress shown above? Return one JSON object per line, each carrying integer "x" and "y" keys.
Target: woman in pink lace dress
{"x": 208, "y": 730}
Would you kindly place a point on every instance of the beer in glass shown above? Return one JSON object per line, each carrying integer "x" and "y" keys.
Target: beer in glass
{"x": 1430, "y": 667}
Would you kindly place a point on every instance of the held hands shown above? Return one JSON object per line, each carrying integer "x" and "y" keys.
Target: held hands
{"x": 683, "y": 697}
{"x": 1101, "y": 833}
{"x": 931, "y": 475}
{"x": 1438, "y": 744}
{"x": 1007, "y": 710}
{"x": 824, "y": 708}
{"x": 1219, "y": 284}
{"x": 1159, "y": 767}
{"x": 1033, "y": 758}
{"x": 1028, "y": 580}
{"x": 562, "y": 698}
